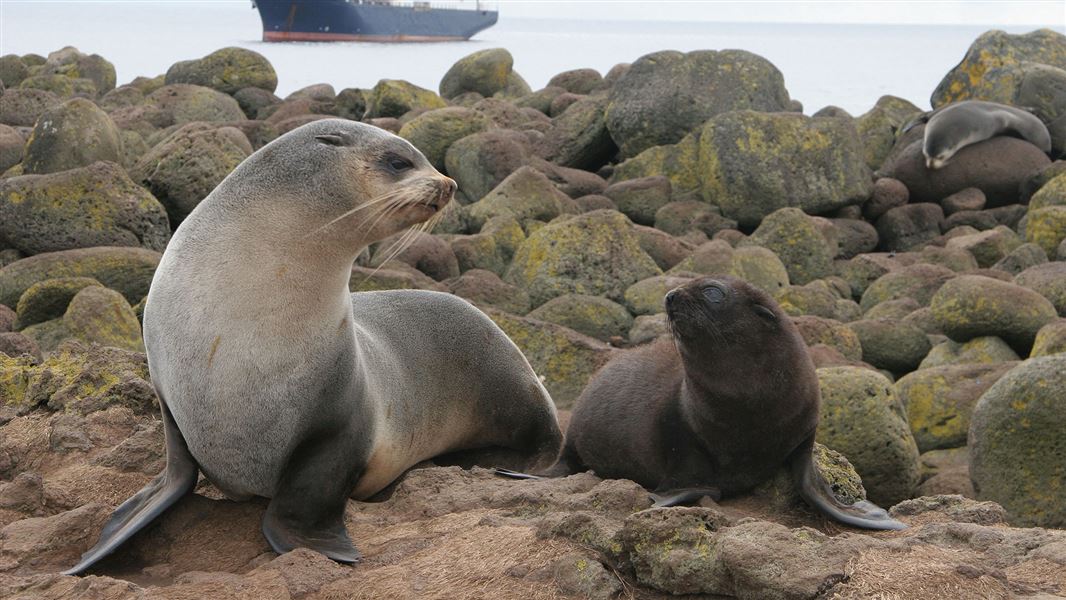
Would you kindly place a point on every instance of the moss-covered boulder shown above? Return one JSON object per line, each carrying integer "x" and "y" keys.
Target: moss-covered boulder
{"x": 565, "y": 359}
{"x": 1052, "y": 193}
{"x": 891, "y": 344}
{"x": 680, "y": 163}
{"x": 863, "y": 419}
{"x": 483, "y": 287}
{"x": 72, "y": 64}
{"x": 12, "y": 70}
{"x": 1051, "y": 339}
{"x": 394, "y": 97}
{"x": 797, "y": 241}
{"x": 1021, "y": 258}
{"x": 12, "y": 147}
{"x": 940, "y": 401}
{"x": 918, "y": 282}
{"x": 667, "y": 94}
{"x": 980, "y": 350}
{"x": 753, "y": 163}
{"x": 988, "y": 247}
{"x": 909, "y": 227}
{"x": 181, "y": 103}
{"x": 830, "y": 332}
{"x": 227, "y": 70}
{"x": 480, "y": 162}
{"x": 993, "y": 50}
{"x": 1046, "y": 227}
{"x": 74, "y": 134}
{"x": 810, "y": 299}
{"x": 253, "y": 99}
{"x": 492, "y": 248}
{"x": 578, "y": 138}
{"x": 1048, "y": 280}
{"x": 182, "y": 169}
{"x": 49, "y": 299}
{"x": 127, "y": 270}
{"x": 97, "y": 205}
{"x": 595, "y": 253}
{"x": 21, "y": 107}
{"x": 485, "y": 72}
{"x": 878, "y": 127}
{"x": 393, "y": 275}
{"x": 1016, "y": 443}
{"x": 645, "y": 297}
{"x": 102, "y": 316}
{"x": 682, "y": 216}
{"x": 524, "y": 194}
{"x": 640, "y": 199}
{"x": 665, "y": 249}
{"x": 971, "y": 306}
{"x": 434, "y": 131}
{"x": 591, "y": 315}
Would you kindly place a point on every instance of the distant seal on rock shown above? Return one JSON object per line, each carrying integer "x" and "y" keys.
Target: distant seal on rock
{"x": 953, "y": 127}
{"x": 276, "y": 381}
{"x": 714, "y": 411}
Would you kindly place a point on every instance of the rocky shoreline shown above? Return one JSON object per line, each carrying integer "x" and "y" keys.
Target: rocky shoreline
{"x": 933, "y": 303}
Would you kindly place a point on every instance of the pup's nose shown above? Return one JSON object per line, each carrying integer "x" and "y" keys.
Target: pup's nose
{"x": 671, "y": 297}
{"x": 450, "y": 185}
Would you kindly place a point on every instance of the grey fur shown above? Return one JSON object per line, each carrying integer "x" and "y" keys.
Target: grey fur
{"x": 285, "y": 385}
{"x": 955, "y": 126}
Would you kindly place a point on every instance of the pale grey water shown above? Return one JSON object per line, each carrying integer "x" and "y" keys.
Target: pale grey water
{"x": 846, "y": 65}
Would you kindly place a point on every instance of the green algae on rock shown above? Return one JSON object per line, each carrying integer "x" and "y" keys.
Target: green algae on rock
{"x": 1017, "y": 446}
{"x": 394, "y": 97}
{"x": 980, "y": 350}
{"x": 1046, "y": 227}
{"x": 49, "y": 299}
{"x": 677, "y": 162}
{"x": 485, "y": 72}
{"x": 227, "y": 70}
{"x": 1051, "y": 339}
{"x": 126, "y": 270}
{"x": 795, "y": 238}
{"x": 433, "y": 132}
{"x": 972, "y": 306}
{"x": 590, "y": 315}
{"x": 525, "y": 194}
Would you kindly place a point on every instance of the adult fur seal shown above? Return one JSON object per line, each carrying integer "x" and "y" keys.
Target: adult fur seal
{"x": 275, "y": 381}
{"x": 953, "y": 127}
{"x": 714, "y": 411}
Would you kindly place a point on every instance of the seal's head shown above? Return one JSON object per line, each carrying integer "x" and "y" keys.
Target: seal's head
{"x": 343, "y": 183}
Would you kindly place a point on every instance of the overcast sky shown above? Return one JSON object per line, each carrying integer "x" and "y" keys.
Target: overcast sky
{"x": 1048, "y": 13}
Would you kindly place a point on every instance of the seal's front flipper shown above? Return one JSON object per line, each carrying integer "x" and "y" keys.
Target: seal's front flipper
{"x": 816, "y": 492}
{"x": 307, "y": 510}
{"x": 679, "y": 496}
{"x": 176, "y": 480}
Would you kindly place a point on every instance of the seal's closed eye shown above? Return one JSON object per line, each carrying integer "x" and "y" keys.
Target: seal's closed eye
{"x": 764, "y": 312}
{"x": 397, "y": 163}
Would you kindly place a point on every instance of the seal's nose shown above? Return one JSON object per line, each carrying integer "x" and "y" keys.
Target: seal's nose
{"x": 450, "y": 186}
{"x": 671, "y": 298}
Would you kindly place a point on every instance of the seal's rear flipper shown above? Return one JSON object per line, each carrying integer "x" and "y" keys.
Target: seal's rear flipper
{"x": 679, "y": 496}
{"x": 818, "y": 494}
{"x": 176, "y": 480}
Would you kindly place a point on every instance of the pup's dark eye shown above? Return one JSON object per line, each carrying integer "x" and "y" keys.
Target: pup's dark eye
{"x": 764, "y": 312}
{"x": 713, "y": 294}
{"x": 399, "y": 163}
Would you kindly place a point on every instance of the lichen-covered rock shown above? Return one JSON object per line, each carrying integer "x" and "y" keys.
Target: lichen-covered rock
{"x": 524, "y": 194}
{"x": 48, "y": 299}
{"x": 480, "y": 162}
{"x": 227, "y": 70}
{"x": 595, "y": 253}
{"x": 102, "y": 316}
{"x": 1051, "y": 339}
{"x": 182, "y": 103}
{"x": 21, "y": 107}
{"x": 394, "y": 97}
{"x": 1046, "y": 227}
{"x": 891, "y": 344}
{"x": 485, "y": 72}
{"x": 483, "y": 287}
{"x": 893, "y": 309}
{"x": 918, "y": 282}
{"x": 665, "y": 249}
{"x": 579, "y": 138}
{"x": 74, "y": 134}
{"x": 432, "y": 132}
{"x": 1052, "y": 193}
{"x": 979, "y": 350}
{"x": 564, "y": 358}
{"x": 579, "y": 81}
{"x": 677, "y": 162}
{"x": 254, "y": 99}
{"x": 393, "y": 275}
{"x": 996, "y": 49}
{"x": 12, "y": 147}
{"x": 182, "y": 169}
{"x": 940, "y": 400}
{"x": 1016, "y": 442}
{"x": 878, "y": 127}
{"x": 752, "y": 164}
{"x": 863, "y": 419}
{"x": 591, "y": 315}
{"x": 988, "y": 247}
{"x": 996, "y": 166}
{"x": 797, "y": 241}
{"x": 682, "y": 216}
{"x": 72, "y": 64}
{"x": 909, "y": 227}
{"x": 1048, "y": 280}
{"x": 971, "y": 306}
{"x": 645, "y": 297}
{"x": 830, "y": 332}
{"x": 96, "y": 205}
{"x": 1021, "y": 258}
{"x": 127, "y": 270}
{"x": 667, "y": 94}
{"x": 491, "y": 249}
{"x": 12, "y": 70}
{"x": 640, "y": 199}
{"x": 810, "y": 299}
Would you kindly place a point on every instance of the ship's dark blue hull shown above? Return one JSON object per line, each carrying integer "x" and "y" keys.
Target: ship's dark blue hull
{"x": 342, "y": 20}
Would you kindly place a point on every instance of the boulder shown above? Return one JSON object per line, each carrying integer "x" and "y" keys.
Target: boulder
{"x": 891, "y": 344}
{"x": 483, "y": 287}
{"x": 127, "y": 270}
{"x": 1048, "y": 280}
{"x": 595, "y": 253}
{"x": 524, "y": 194}
{"x": 887, "y": 194}
{"x": 579, "y": 81}
{"x": 667, "y": 94}
{"x": 796, "y": 239}
{"x": 394, "y": 97}
{"x": 1046, "y": 227}
{"x": 665, "y": 249}
{"x": 681, "y": 216}
{"x": 434, "y": 131}
{"x": 227, "y": 70}
{"x": 1051, "y": 339}
{"x": 640, "y": 199}
{"x": 427, "y": 253}
{"x": 12, "y": 147}
{"x": 829, "y": 332}
{"x": 49, "y": 299}
{"x": 863, "y": 419}
{"x": 591, "y": 315}
{"x": 97, "y": 205}
{"x": 12, "y": 70}
{"x": 102, "y": 316}
{"x": 73, "y": 64}
{"x": 485, "y": 72}
{"x": 254, "y": 99}
{"x": 73, "y": 134}
{"x": 971, "y": 306}
{"x": 918, "y": 282}
{"x": 21, "y": 107}
{"x": 492, "y": 248}
{"x": 680, "y": 163}
{"x": 854, "y": 236}
{"x": 965, "y": 199}
{"x": 909, "y": 227}
{"x": 980, "y": 350}
{"x": 645, "y": 297}
{"x": 480, "y": 162}
{"x": 1016, "y": 442}
{"x": 879, "y": 126}
{"x": 1021, "y": 258}
{"x": 752, "y": 164}
{"x": 182, "y": 103}
{"x": 987, "y": 247}
{"x": 579, "y": 138}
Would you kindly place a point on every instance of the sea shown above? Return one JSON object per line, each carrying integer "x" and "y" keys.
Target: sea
{"x": 849, "y": 66}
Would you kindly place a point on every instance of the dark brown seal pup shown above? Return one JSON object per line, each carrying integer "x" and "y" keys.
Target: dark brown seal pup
{"x": 714, "y": 411}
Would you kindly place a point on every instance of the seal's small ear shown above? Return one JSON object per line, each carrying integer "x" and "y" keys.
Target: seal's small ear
{"x": 332, "y": 139}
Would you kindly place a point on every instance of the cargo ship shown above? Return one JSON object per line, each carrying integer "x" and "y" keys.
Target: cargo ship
{"x": 371, "y": 21}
